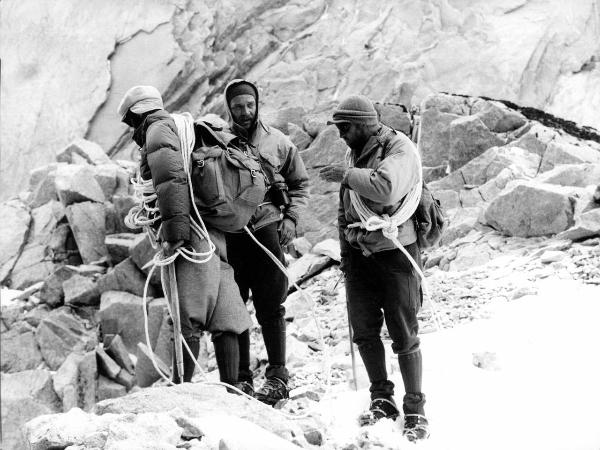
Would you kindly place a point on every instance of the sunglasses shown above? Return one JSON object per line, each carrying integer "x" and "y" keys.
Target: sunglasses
{"x": 343, "y": 127}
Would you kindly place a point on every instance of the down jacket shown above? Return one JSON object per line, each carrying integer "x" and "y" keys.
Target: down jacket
{"x": 280, "y": 161}
{"x": 161, "y": 161}
{"x": 385, "y": 171}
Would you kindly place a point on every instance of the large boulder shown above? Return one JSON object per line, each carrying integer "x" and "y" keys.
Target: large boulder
{"x": 394, "y": 116}
{"x": 125, "y": 276}
{"x": 75, "y": 381}
{"x": 45, "y": 245}
{"x": 62, "y": 333}
{"x": 580, "y": 175}
{"x": 121, "y": 313}
{"x": 83, "y": 151}
{"x": 25, "y": 395}
{"x": 76, "y": 183}
{"x": 562, "y": 152}
{"x": 434, "y": 137}
{"x": 469, "y": 138}
{"x": 20, "y": 350}
{"x": 529, "y": 209}
{"x": 87, "y": 220}
{"x": 586, "y": 226}
{"x": 497, "y": 117}
{"x": 13, "y": 233}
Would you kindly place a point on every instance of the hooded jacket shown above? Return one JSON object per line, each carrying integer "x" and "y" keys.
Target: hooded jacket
{"x": 161, "y": 161}
{"x": 280, "y": 161}
{"x": 385, "y": 171}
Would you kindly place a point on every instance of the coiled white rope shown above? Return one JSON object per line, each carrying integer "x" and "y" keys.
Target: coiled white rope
{"x": 388, "y": 225}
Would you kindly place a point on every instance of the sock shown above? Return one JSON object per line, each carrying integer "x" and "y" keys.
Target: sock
{"x": 411, "y": 367}
{"x": 227, "y": 353}
{"x": 245, "y": 374}
{"x": 373, "y": 355}
{"x": 189, "y": 364}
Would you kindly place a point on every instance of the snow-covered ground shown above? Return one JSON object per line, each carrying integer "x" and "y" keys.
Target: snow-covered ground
{"x": 538, "y": 387}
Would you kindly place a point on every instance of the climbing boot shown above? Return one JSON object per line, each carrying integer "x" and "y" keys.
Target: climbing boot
{"x": 273, "y": 390}
{"x": 416, "y": 427}
{"x": 247, "y": 387}
{"x": 380, "y": 408}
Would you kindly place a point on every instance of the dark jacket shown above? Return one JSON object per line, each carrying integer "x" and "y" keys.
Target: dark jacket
{"x": 385, "y": 171}
{"x": 280, "y": 161}
{"x": 161, "y": 161}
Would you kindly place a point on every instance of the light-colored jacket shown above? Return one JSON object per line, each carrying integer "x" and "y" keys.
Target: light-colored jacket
{"x": 281, "y": 162}
{"x": 385, "y": 171}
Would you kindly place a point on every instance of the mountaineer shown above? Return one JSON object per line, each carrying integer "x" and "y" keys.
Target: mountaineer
{"x": 274, "y": 226}
{"x": 208, "y": 296}
{"x": 381, "y": 283}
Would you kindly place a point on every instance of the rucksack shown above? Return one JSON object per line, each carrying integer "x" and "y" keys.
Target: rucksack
{"x": 430, "y": 220}
{"x": 228, "y": 183}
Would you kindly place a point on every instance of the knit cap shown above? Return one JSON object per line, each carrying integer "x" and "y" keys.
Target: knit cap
{"x": 355, "y": 109}
{"x": 241, "y": 88}
{"x": 140, "y": 99}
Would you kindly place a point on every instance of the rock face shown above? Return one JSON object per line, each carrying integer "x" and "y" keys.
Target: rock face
{"x": 296, "y": 53}
{"x": 531, "y": 209}
{"x": 13, "y": 232}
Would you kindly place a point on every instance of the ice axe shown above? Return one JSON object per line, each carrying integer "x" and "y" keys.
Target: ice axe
{"x": 174, "y": 301}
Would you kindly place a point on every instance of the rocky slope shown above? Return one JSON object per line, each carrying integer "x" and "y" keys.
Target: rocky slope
{"x": 523, "y": 202}
{"x": 65, "y": 79}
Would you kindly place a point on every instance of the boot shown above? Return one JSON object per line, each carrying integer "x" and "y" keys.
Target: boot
{"x": 273, "y": 390}
{"x": 416, "y": 427}
{"x": 380, "y": 408}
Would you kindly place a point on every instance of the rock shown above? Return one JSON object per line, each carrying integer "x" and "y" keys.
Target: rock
{"x": 25, "y": 395}
{"x": 87, "y": 381}
{"x": 89, "y": 151}
{"x": 42, "y": 184}
{"x": 125, "y": 276}
{"x": 280, "y": 118}
{"x": 298, "y": 305}
{"x": 65, "y": 381}
{"x": 434, "y": 137}
{"x": 145, "y": 372}
{"x": 121, "y": 313}
{"x": 76, "y": 184}
{"x": 568, "y": 153}
{"x": 116, "y": 350}
{"x": 586, "y": 226}
{"x": 446, "y": 103}
{"x": 581, "y": 175}
{"x": 394, "y": 116}
{"x": 201, "y": 401}
{"x": 52, "y": 290}
{"x": 80, "y": 290}
{"x": 87, "y": 220}
{"x": 306, "y": 265}
{"x": 471, "y": 255}
{"x": 470, "y": 197}
{"x": 122, "y": 204}
{"x": 62, "y": 333}
{"x": 469, "y": 138}
{"x": 19, "y": 349}
{"x": 45, "y": 245}
{"x": 497, "y": 117}
{"x": 301, "y": 245}
{"x": 448, "y": 198}
{"x": 106, "y": 177}
{"x": 313, "y": 124}
{"x": 531, "y": 209}
{"x": 327, "y": 148}
{"x": 298, "y": 136}
{"x": 486, "y": 360}
{"x": 109, "y": 389}
{"x": 462, "y": 221}
{"x": 106, "y": 365}
{"x": 164, "y": 343}
{"x": 13, "y": 233}
{"x": 328, "y": 247}
{"x": 142, "y": 252}
{"x": 535, "y": 139}
{"x": 36, "y": 315}
{"x": 551, "y": 256}
{"x": 434, "y": 173}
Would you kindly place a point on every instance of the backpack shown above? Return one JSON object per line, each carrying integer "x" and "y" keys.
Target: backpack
{"x": 429, "y": 218}
{"x": 228, "y": 183}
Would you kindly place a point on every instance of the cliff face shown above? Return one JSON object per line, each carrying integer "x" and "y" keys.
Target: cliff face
{"x": 67, "y": 63}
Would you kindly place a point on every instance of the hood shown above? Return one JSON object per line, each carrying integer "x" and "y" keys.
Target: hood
{"x": 139, "y": 134}
{"x": 232, "y": 83}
